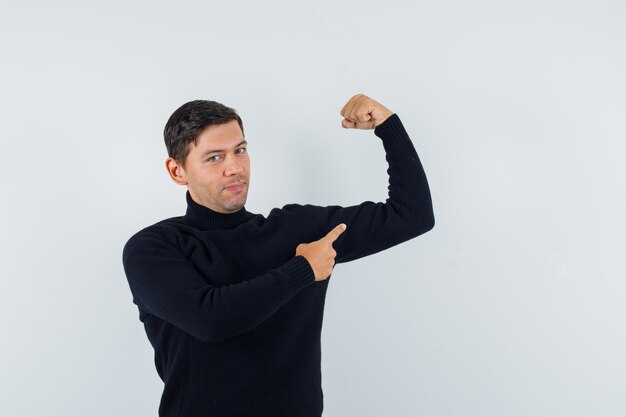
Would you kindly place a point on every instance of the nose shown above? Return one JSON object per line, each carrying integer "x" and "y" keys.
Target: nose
{"x": 233, "y": 167}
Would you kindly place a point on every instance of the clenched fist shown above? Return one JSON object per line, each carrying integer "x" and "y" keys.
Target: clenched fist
{"x": 361, "y": 112}
{"x": 321, "y": 254}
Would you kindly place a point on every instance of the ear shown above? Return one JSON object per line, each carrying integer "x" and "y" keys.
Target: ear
{"x": 176, "y": 171}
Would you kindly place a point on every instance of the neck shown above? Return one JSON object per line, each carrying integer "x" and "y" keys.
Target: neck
{"x": 205, "y": 218}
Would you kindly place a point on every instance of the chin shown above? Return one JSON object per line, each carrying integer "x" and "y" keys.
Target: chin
{"x": 235, "y": 207}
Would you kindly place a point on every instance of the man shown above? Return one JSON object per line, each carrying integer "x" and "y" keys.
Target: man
{"x": 232, "y": 301}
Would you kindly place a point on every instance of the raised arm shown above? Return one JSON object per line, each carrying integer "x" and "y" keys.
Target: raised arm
{"x": 407, "y": 213}
{"x": 165, "y": 284}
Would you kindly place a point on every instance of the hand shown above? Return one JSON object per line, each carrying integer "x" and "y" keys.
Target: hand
{"x": 361, "y": 112}
{"x": 321, "y": 254}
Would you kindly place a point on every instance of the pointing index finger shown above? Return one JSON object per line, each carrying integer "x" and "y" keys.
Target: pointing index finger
{"x": 334, "y": 234}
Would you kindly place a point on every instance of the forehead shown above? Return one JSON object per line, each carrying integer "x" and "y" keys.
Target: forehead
{"x": 219, "y": 137}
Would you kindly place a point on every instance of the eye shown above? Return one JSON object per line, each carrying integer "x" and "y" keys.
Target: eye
{"x": 242, "y": 149}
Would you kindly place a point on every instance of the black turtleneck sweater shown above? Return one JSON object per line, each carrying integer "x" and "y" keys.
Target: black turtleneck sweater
{"x": 234, "y": 317}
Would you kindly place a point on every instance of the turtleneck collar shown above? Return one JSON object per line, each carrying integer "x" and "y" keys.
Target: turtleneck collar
{"x": 207, "y": 219}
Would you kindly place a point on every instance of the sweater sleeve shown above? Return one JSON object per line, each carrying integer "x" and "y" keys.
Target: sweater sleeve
{"x": 166, "y": 284}
{"x": 407, "y": 213}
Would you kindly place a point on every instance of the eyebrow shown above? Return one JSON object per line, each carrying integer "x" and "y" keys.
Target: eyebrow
{"x": 205, "y": 153}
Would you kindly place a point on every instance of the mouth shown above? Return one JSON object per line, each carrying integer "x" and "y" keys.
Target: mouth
{"x": 238, "y": 186}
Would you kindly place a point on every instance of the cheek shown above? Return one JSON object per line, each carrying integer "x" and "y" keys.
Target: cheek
{"x": 211, "y": 179}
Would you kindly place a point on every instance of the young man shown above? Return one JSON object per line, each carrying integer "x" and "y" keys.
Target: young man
{"x": 232, "y": 301}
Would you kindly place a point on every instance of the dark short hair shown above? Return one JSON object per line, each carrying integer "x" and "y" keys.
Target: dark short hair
{"x": 189, "y": 120}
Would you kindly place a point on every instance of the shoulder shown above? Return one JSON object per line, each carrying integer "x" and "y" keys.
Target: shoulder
{"x": 162, "y": 233}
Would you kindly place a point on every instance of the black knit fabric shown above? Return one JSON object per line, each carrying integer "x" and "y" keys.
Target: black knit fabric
{"x": 234, "y": 317}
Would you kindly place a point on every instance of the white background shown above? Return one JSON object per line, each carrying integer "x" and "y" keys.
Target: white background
{"x": 513, "y": 305}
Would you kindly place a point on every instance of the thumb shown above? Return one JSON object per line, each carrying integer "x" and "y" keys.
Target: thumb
{"x": 345, "y": 123}
{"x": 334, "y": 234}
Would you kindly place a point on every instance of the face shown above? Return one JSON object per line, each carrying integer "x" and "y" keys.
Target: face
{"x": 217, "y": 170}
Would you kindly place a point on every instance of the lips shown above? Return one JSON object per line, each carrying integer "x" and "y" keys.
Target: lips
{"x": 238, "y": 186}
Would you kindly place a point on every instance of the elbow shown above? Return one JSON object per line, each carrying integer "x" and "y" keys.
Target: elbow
{"x": 418, "y": 218}
{"x": 429, "y": 224}
{"x": 423, "y": 223}
{"x": 425, "y": 220}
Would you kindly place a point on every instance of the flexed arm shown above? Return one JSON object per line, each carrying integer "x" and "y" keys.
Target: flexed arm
{"x": 407, "y": 213}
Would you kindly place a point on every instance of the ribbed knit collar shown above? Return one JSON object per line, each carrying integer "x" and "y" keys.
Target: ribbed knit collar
{"x": 206, "y": 219}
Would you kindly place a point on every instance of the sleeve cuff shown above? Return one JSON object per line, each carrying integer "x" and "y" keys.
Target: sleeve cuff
{"x": 395, "y": 138}
{"x": 299, "y": 271}
{"x": 392, "y": 130}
